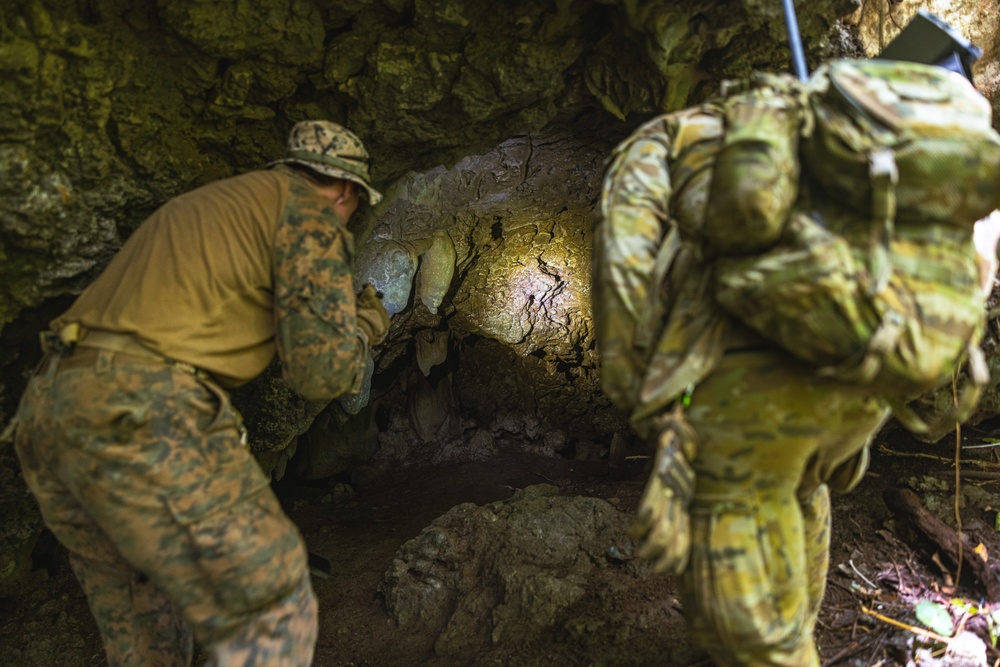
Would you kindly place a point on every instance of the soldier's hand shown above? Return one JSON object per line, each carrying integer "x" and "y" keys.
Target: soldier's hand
{"x": 372, "y": 316}
{"x": 663, "y": 524}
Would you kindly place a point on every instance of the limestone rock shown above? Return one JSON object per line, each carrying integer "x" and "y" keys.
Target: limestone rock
{"x": 507, "y": 573}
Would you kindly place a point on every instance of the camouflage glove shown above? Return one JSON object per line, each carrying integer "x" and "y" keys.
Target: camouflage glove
{"x": 662, "y": 523}
{"x": 372, "y": 317}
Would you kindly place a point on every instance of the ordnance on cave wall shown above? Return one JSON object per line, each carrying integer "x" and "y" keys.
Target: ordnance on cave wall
{"x": 424, "y": 267}
{"x": 397, "y": 268}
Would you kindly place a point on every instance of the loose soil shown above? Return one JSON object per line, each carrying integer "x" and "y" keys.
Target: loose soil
{"x": 880, "y": 567}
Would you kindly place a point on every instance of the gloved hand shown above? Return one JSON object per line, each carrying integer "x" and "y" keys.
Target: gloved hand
{"x": 372, "y": 317}
{"x": 662, "y": 523}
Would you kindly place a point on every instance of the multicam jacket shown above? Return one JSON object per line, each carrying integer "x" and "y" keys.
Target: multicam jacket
{"x": 217, "y": 276}
{"x": 646, "y": 274}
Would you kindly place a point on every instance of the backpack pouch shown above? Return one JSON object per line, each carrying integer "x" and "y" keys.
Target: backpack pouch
{"x": 810, "y": 294}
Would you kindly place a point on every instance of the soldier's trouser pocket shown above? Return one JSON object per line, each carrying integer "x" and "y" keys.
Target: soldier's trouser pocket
{"x": 746, "y": 591}
{"x": 248, "y": 552}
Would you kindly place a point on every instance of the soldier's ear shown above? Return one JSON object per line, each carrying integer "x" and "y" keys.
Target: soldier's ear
{"x": 348, "y": 190}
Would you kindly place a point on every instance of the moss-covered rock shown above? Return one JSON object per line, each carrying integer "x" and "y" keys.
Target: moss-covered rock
{"x": 288, "y": 31}
{"x": 493, "y": 577}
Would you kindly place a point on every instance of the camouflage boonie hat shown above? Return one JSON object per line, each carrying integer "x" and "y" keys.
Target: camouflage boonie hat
{"x": 330, "y": 149}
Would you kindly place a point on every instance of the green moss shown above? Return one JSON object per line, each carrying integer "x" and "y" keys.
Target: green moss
{"x": 289, "y": 30}
{"x": 20, "y": 59}
{"x": 346, "y": 56}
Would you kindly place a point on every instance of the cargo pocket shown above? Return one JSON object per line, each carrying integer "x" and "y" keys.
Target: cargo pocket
{"x": 248, "y": 552}
{"x": 223, "y": 437}
{"x": 731, "y": 582}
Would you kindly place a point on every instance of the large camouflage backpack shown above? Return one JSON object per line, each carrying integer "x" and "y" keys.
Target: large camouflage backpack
{"x": 904, "y": 140}
{"x": 871, "y": 274}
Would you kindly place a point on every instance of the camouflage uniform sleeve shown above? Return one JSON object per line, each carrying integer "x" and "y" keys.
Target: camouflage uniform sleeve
{"x": 321, "y": 349}
{"x": 628, "y": 238}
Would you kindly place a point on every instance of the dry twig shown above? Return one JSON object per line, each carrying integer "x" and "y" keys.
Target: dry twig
{"x": 927, "y": 634}
{"x": 989, "y": 465}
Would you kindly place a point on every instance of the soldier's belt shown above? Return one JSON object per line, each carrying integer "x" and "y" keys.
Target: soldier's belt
{"x": 86, "y": 348}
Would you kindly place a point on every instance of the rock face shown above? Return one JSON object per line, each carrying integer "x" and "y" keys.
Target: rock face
{"x": 488, "y": 124}
{"x": 506, "y": 574}
{"x": 111, "y": 107}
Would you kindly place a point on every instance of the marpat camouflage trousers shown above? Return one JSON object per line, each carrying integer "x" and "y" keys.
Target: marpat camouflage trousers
{"x": 772, "y": 439}
{"x": 171, "y": 525}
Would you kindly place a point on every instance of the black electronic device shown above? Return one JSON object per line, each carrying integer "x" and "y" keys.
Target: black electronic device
{"x": 928, "y": 40}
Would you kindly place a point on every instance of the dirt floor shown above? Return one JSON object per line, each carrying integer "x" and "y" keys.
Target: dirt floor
{"x": 880, "y": 566}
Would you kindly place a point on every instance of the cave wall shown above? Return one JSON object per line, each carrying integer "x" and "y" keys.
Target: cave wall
{"x": 109, "y": 107}
{"x": 488, "y": 124}
{"x": 112, "y": 106}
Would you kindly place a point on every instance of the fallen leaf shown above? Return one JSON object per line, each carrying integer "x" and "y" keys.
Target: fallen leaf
{"x": 935, "y": 617}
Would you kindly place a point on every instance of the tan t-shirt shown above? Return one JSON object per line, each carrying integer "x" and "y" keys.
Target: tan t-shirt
{"x": 194, "y": 282}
